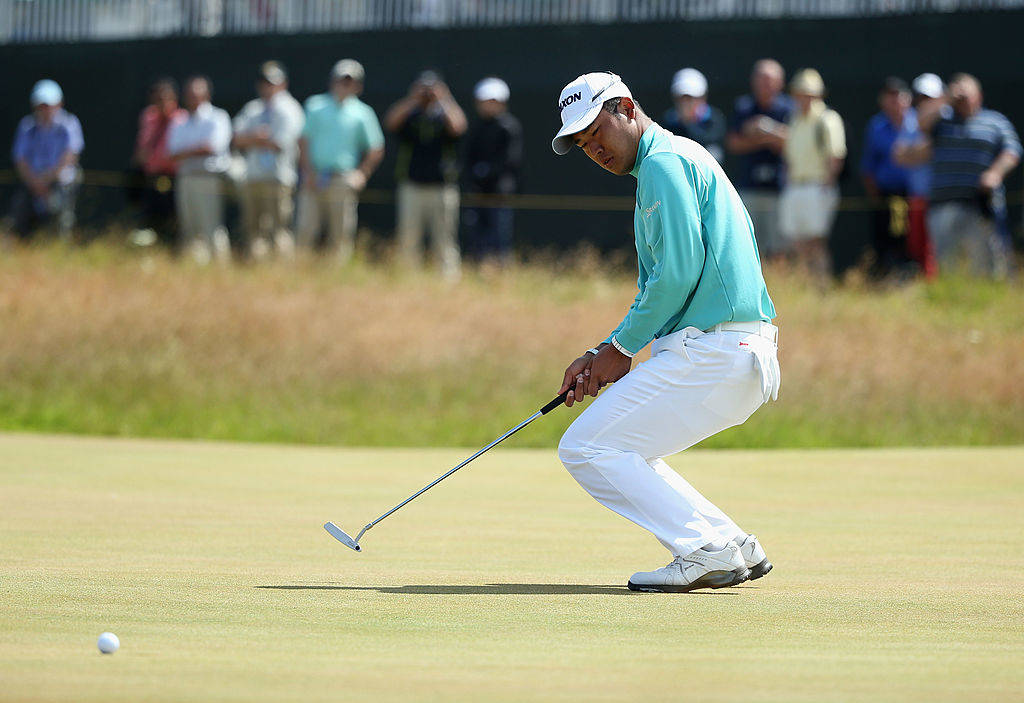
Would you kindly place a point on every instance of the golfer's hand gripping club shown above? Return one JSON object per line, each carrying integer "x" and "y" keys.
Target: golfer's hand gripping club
{"x": 343, "y": 537}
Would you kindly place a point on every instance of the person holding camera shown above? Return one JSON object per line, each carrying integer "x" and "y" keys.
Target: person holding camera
{"x": 428, "y": 123}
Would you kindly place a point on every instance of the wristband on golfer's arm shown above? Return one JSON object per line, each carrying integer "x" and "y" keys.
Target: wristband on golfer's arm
{"x": 593, "y": 350}
{"x": 622, "y": 349}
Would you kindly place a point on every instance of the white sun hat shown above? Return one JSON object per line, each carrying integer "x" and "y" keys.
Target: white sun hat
{"x": 580, "y": 103}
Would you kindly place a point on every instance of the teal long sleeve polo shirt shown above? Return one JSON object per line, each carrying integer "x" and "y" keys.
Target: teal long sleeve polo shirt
{"x": 696, "y": 253}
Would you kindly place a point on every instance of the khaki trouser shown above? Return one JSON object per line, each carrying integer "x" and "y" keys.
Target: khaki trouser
{"x": 199, "y": 198}
{"x": 763, "y": 208}
{"x": 339, "y": 202}
{"x": 961, "y": 227}
{"x": 436, "y": 206}
{"x": 267, "y": 216}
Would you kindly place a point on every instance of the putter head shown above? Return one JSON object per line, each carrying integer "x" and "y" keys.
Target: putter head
{"x": 339, "y": 534}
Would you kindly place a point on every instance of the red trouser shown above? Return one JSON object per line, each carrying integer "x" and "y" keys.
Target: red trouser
{"x": 919, "y": 244}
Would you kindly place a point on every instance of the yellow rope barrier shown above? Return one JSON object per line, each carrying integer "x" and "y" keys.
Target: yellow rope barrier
{"x": 515, "y": 201}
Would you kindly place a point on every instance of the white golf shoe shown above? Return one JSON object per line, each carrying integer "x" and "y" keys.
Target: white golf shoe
{"x": 701, "y": 569}
{"x": 754, "y": 557}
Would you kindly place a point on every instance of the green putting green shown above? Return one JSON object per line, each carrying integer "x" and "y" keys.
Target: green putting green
{"x": 898, "y": 577}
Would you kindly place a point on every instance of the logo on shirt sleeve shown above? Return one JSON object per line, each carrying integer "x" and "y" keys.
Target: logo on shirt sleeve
{"x": 650, "y": 210}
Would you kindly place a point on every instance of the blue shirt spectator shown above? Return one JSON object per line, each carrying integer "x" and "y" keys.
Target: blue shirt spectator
{"x": 691, "y": 116}
{"x": 46, "y": 147}
{"x": 761, "y": 168}
{"x": 42, "y": 146}
{"x": 757, "y": 135}
{"x": 919, "y": 178}
{"x": 877, "y": 162}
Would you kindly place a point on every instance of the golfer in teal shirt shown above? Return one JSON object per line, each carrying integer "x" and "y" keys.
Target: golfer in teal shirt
{"x": 695, "y": 246}
{"x": 703, "y": 302}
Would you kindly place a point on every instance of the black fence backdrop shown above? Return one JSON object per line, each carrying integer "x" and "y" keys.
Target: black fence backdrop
{"x": 105, "y": 85}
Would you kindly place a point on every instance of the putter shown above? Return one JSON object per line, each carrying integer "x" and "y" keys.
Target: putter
{"x": 340, "y": 535}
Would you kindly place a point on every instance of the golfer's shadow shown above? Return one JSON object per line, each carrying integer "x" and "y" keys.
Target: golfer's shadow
{"x": 515, "y": 589}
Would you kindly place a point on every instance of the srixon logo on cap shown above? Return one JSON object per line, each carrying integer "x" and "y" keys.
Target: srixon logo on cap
{"x": 569, "y": 100}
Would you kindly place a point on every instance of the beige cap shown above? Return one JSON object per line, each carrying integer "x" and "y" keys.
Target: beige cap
{"x": 348, "y": 68}
{"x": 807, "y": 81}
{"x": 273, "y": 73}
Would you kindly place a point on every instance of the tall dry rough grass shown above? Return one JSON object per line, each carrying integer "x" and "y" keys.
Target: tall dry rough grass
{"x": 106, "y": 341}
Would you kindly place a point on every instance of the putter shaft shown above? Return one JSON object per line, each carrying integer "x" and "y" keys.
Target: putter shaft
{"x": 445, "y": 475}
{"x": 543, "y": 411}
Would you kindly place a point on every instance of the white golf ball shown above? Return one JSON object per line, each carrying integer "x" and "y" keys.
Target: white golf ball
{"x": 108, "y": 643}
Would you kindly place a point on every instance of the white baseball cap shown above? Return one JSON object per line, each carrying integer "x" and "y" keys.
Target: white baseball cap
{"x": 580, "y": 103}
{"x": 491, "y": 89}
{"x": 929, "y": 85}
{"x": 46, "y": 92}
{"x": 689, "y": 81}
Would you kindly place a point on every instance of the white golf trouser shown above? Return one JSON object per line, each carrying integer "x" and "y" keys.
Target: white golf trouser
{"x": 695, "y": 385}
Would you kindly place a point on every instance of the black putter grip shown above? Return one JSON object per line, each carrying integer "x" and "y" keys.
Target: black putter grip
{"x": 554, "y": 403}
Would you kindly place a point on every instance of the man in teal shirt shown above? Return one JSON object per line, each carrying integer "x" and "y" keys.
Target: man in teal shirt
{"x": 703, "y": 302}
{"x": 341, "y": 146}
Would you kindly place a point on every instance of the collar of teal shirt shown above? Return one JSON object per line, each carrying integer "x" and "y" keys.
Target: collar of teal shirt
{"x": 644, "y": 147}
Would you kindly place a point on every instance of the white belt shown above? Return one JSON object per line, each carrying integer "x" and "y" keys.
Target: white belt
{"x": 764, "y": 329}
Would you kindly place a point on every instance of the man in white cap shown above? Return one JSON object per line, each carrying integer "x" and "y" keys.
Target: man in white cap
{"x": 494, "y": 152}
{"x": 691, "y": 116}
{"x": 928, "y": 95}
{"x": 703, "y": 302}
{"x": 47, "y": 145}
{"x": 341, "y": 147}
{"x": 267, "y": 132}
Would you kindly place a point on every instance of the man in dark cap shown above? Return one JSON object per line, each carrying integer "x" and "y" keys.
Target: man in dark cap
{"x": 428, "y": 123}
{"x": 887, "y": 182}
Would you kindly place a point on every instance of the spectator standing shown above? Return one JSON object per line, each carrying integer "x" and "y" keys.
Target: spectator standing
{"x": 267, "y": 132}
{"x": 929, "y": 94}
{"x": 155, "y": 123}
{"x": 692, "y": 117}
{"x": 46, "y": 151}
{"x": 814, "y": 154}
{"x": 341, "y": 146}
{"x": 200, "y": 146}
{"x": 886, "y": 182}
{"x": 493, "y": 157}
{"x": 428, "y": 123}
{"x": 971, "y": 150}
{"x": 757, "y": 135}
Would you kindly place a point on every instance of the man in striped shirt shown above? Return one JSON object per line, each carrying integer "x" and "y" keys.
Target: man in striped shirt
{"x": 972, "y": 149}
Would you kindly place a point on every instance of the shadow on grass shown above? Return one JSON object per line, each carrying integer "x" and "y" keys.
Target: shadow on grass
{"x": 518, "y": 589}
